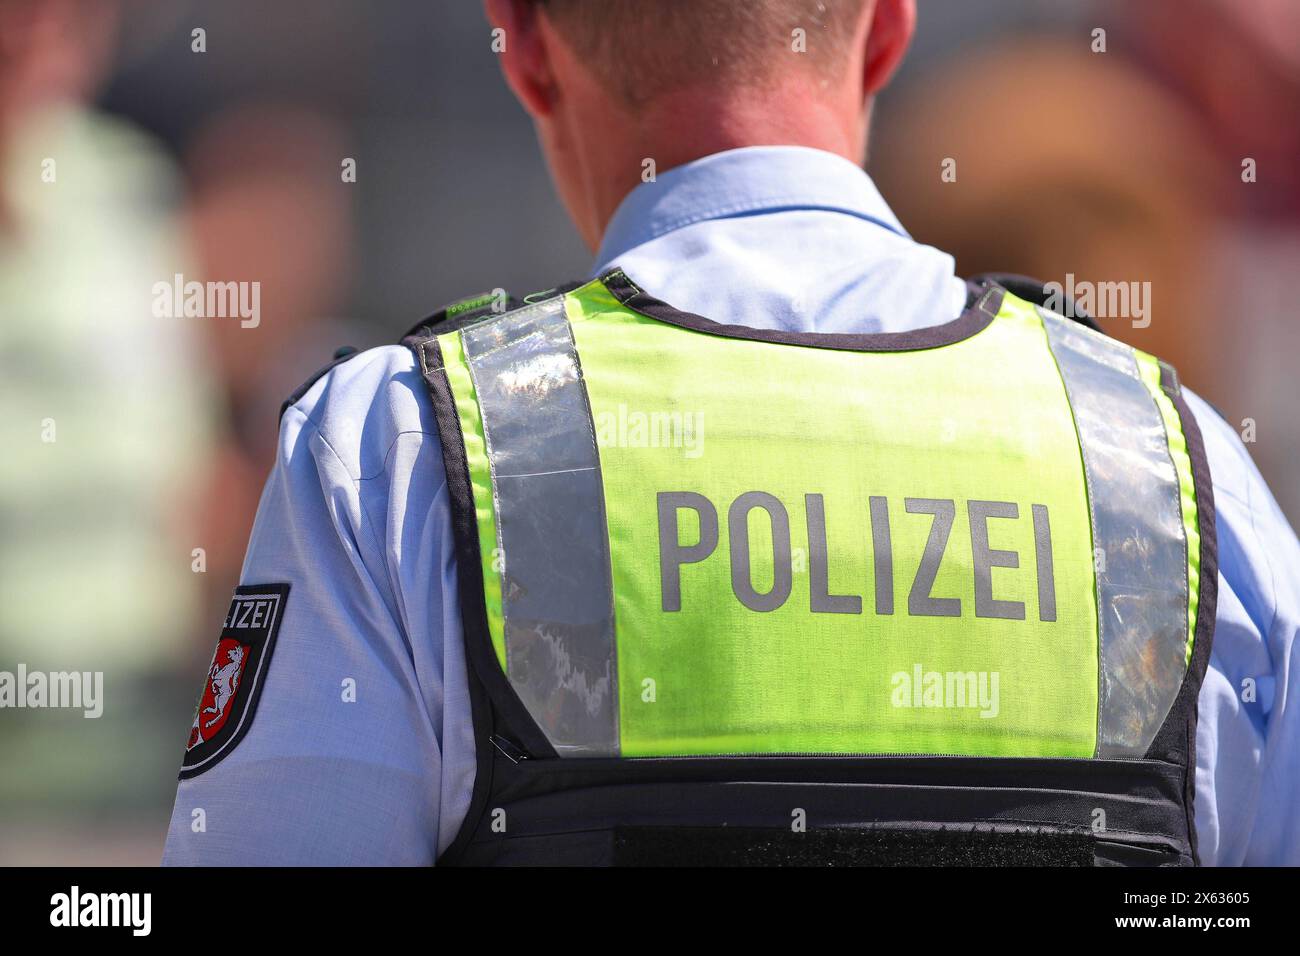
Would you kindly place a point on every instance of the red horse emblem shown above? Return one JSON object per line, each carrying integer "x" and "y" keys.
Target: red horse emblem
{"x": 223, "y": 680}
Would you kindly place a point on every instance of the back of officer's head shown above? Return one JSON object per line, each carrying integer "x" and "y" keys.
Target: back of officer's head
{"x": 644, "y": 48}
{"x": 612, "y": 83}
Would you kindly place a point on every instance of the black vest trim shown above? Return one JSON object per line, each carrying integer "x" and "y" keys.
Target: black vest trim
{"x": 571, "y": 811}
{"x": 490, "y": 692}
{"x": 983, "y": 301}
{"x": 1176, "y": 739}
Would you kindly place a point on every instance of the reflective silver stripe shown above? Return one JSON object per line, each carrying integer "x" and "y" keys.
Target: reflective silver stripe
{"x": 1138, "y": 534}
{"x": 557, "y": 596}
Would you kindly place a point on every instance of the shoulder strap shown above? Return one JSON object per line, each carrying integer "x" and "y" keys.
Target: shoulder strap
{"x": 1038, "y": 293}
{"x": 463, "y": 312}
{"x": 475, "y": 308}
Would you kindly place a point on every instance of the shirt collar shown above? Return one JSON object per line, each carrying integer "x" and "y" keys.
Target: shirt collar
{"x": 743, "y": 182}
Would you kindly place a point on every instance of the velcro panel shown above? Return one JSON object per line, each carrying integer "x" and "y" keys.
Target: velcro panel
{"x": 751, "y": 846}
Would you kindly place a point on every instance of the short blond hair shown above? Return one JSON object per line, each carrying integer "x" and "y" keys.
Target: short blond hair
{"x": 642, "y": 48}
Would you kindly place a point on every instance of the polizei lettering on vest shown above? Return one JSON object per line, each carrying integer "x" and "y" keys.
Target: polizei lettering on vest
{"x": 921, "y": 601}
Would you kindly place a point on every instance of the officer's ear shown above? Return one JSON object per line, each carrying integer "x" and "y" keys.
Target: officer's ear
{"x": 890, "y": 34}
{"x": 520, "y": 40}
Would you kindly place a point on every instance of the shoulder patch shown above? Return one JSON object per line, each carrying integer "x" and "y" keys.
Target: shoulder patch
{"x": 234, "y": 680}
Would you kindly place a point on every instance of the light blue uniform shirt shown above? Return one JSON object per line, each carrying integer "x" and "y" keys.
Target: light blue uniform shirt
{"x": 355, "y": 517}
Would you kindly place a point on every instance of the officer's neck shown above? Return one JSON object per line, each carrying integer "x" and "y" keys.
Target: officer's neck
{"x": 625, "y": 150}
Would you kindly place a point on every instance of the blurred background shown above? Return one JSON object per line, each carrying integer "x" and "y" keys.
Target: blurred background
{"x": 127, "y": 156}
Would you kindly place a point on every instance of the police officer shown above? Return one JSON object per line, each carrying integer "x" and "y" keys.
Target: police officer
{"x": 837, "y": 558}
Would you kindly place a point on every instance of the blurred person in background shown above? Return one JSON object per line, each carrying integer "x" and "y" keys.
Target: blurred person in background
{"x": 1128, "y": 163}
{"x": 1108, "y": 178}
{"x": 105, "y": 428}
{"x": 1234, "y": 65}
{"x": 266, "y": 205}
{"x": 94, "y": 214}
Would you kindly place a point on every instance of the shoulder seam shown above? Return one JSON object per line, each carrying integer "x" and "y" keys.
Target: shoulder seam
{"x": 298, "y": 394}
{"x": 319, "y": 430}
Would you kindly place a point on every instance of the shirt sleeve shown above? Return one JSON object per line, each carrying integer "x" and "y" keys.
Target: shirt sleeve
{"x": 1248, "y": 735}
{"x": 360, "y": 750}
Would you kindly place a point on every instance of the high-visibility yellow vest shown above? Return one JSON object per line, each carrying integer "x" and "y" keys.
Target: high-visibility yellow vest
{"x": 712, "y": 575}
